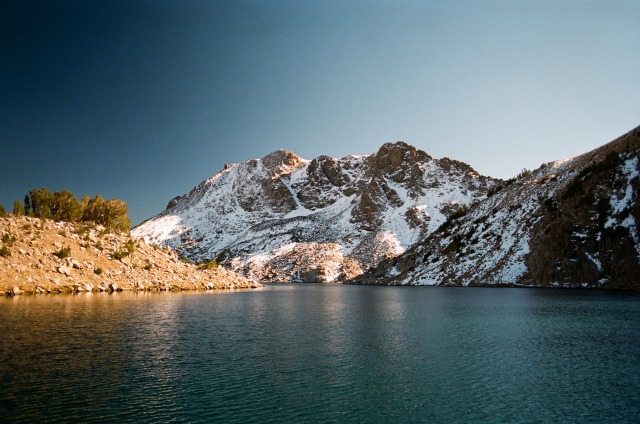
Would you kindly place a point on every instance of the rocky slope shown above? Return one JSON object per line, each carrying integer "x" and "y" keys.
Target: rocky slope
{"x": 284, "y": 218}
{"x": 571, "y": 223}
{"x": 43, "y": 256}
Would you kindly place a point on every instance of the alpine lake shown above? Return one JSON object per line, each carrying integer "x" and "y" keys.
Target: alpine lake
{"x": 313, "y": 353}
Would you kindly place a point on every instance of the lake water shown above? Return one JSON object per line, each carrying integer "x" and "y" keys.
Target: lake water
{"x": 323, "y": 353}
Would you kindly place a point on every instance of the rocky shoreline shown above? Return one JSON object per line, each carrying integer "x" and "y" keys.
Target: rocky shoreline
{"x": 39, "y": 256}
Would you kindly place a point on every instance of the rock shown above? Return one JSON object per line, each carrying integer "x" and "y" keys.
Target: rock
{"x": 63, "y": 269}
{"x": 14, "y": 290}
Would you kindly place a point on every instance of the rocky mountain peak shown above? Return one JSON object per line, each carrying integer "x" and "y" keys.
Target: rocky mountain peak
{"x": 281, "y": 161}
{"x": 393, "y": 155}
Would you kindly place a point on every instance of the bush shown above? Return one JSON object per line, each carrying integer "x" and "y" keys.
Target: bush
{"x": 98, "y": 271}
{"x": 81, "y": 231}
{"x": 3, "y": 212}
{"x": 65, "y": 252}
{"x": 524, "y": 173}
{"x": 211, "y": 264}
{"x": 5, "y": 252}
{"x": 148, "y": 267}
{"x": 130, "y": 246}
{"x": 8, "y": 239}
{"x": 119, "y": 254}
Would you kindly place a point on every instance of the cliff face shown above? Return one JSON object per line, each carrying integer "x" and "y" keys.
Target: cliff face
{"x": 284, "y": 218}
{"x": 568, "y": 223}
{"x": 43, "y": 256}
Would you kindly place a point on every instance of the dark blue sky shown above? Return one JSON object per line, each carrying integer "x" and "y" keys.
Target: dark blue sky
{"x": 142, "y": 100}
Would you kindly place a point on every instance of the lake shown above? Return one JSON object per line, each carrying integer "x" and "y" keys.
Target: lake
{"x": 308, "y": 353}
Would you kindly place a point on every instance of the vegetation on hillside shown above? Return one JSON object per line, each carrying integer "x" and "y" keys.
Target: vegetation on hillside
{"x": 64, "y": 206}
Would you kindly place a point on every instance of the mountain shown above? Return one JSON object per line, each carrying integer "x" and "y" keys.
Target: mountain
{"x": 284, "y": 218}
{"x": 570, "y": 223}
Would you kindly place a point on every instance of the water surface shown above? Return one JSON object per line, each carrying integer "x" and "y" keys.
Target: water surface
{"x": 323, "y": 353}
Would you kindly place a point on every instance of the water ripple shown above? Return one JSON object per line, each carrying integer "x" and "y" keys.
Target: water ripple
{"x": 312, "y": 353}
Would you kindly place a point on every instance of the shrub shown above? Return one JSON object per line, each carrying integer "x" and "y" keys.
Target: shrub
{"x": 98, "y": 271}
{"x": 3, "y": 211}
{"x": 119, "y": 254}
{"x": 5, "y": 252}
{"x": 8, "y": 239}
{"x": 64, "y": 252}
{"x": 130, "y": 246}
{"x": 211, "y": 264}
{"x": 524, "y": 173}
{"x": 148, "y": 267}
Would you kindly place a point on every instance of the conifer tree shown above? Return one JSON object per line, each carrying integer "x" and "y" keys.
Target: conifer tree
{"x": 3, "y": 212}
{"x": 18, "y": 209}
{"x": 27, "y": 204}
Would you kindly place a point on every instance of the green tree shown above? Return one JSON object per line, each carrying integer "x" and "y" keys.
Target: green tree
{"x": 115, "y": 215}
{"x": 27, "y": 204}
{"x": 3, "y": 212}
{"x": 42, "y": 202}
{"x": 18, "y": 209}
{"x": 65, "y": 207}
{"x": 93, "y": 210}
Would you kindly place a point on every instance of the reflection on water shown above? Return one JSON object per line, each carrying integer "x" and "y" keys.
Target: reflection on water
{"x": 322, "y": 353}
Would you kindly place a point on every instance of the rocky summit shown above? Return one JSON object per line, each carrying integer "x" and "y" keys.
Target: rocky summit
{"x": 570, "y": 223}
{"x": 288, "y": 219}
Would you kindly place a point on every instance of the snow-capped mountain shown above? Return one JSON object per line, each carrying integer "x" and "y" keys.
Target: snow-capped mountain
{"x": 569, "y": 223}
{"x": 284, "y": 218}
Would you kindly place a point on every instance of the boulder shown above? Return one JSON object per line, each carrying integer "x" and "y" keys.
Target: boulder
{"x": 65, "y": 270}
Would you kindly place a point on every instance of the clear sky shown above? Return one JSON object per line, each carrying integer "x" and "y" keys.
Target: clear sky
{"x": 142, "y": 100}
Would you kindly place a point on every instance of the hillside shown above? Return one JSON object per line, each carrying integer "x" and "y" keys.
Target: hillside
{"x": 284, "y": 218}
{"x": 570, "y": 223}
{"x": 96, "y": 261}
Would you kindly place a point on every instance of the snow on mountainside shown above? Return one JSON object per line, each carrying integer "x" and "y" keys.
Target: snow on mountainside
{"x": 284, "y": 218}
{"x": 571, "y": 223}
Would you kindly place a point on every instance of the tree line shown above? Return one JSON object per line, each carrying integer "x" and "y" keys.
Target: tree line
{"x": 64, "y": 206}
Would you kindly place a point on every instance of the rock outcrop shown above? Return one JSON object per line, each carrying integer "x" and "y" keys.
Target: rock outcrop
{"x": 43, "y": 256}
{"x": 284, "y": 218}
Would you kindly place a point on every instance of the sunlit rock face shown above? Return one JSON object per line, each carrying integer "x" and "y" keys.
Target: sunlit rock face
{"x": 284, "y": 218}
{"x": 570, "y": 223}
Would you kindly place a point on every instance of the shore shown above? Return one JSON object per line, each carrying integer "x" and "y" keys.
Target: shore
{"x": 42, "y": 256}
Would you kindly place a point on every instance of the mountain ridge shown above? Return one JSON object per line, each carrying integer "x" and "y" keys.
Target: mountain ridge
{"x": 360, "y": 207}
{"x": 569, "y": 223}
{"x": 399, "y": 216}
